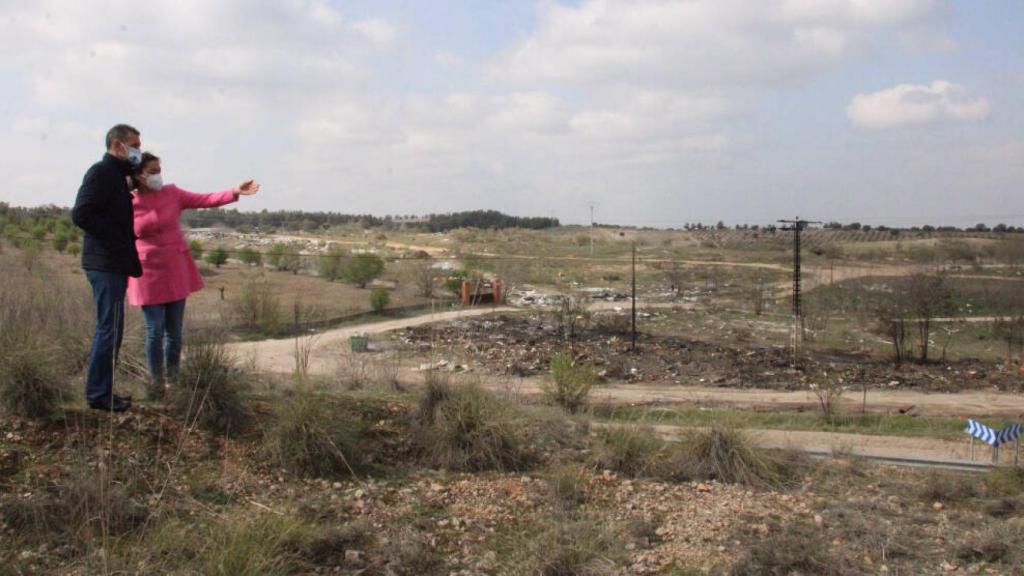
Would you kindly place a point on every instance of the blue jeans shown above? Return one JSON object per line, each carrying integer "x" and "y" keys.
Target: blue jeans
{"x": 108, "y": 291}
{"x": 163, "y": 338}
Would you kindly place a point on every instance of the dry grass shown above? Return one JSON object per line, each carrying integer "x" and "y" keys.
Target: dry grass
{"x": 464, "y": 427}
{"x": 729, "y": 455}
{"x": 210, "y": 387}
{"x": 587, "y": 546}
{"x": 309, "y": 438}
{"x": 47, "y": 329}
{"x": 630, "y": 449}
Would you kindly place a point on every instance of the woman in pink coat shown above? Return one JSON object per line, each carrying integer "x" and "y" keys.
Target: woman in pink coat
{"x": 169, "y": 274}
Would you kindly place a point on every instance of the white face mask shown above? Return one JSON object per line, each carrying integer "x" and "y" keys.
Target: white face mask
{"x": 154, "y": 182}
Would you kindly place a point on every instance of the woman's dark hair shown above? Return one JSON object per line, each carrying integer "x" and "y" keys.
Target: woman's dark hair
{"x": 147, "y": 157}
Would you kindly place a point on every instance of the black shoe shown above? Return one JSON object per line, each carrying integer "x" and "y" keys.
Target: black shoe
{"x": 115, "y": 404}
{"x": 127, "y": 398}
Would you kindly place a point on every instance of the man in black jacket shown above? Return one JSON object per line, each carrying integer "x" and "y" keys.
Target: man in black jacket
{"x": 103, "y": 209}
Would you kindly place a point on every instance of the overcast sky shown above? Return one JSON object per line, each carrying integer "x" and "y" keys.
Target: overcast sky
{"x": 894, "y": 112}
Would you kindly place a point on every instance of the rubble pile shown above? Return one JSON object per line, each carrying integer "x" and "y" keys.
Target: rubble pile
{"x": 523, "y": 346}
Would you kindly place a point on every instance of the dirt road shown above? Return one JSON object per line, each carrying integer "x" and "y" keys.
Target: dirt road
{"x": 328, "y": 348}
{"x": 927, "y": 449}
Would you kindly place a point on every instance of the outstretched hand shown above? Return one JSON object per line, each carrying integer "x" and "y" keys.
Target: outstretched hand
{"x": 247, "y": 188}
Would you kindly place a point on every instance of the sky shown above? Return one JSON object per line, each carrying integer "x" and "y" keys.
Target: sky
{"x": 656, "y": 113}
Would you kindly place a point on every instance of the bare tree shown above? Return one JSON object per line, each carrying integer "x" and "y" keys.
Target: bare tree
{"x": 1010, "y": 331}
{"x": 929, "y": 296}
{"x": 425, "y": 277}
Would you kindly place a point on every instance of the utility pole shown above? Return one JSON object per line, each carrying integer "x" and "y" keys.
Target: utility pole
{"x": 633, "y": 345}
{"x": 797, "y": 226}
{"x": 592, "y": 205}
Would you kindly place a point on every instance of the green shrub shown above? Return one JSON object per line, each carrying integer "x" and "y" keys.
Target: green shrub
{"x": 310, "y": 438}
{"x": 250, "y": 257}
{"x": 331, "y": 264}
{"x": 379, "y": 299}
{"x": 361, "y": 269}
{"x": 258, "y": 309}
{"x": 570, "y": 383}
{"x": 196, "y": 247}
{"x": 218, "y": 256}
{"x": 210, "y": 387}
{"x": 630, "y": 450}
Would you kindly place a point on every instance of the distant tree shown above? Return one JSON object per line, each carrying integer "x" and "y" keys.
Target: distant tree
{"x": 361, "y": 269}
{"x": 250, "y": 257}
{"x": 60, "y": 240}
{"x": 379, "y": 299}
{"x": 196, "y": 247}
{"x": 331, "y": 263}
{"x": 929, "y": 296}
{"x": 284, "y": 257}
{"x": 1010, "y": 331}
{"x": 720, "y": 225}
{"x": 218, "y": 257}
{"x": 424, "y": 277}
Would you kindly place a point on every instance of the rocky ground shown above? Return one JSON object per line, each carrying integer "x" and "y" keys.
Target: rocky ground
{"x": 522, "y": 345}
{"x": 142, "y": 494}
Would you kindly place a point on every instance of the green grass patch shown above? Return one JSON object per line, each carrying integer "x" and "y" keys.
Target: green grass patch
{"x": 874, "y": 424}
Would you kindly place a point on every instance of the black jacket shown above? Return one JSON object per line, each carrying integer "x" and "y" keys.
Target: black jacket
{"x": 103, "y": 209}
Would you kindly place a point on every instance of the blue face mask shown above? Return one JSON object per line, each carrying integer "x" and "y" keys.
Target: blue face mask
{"x": 134, "y": 156}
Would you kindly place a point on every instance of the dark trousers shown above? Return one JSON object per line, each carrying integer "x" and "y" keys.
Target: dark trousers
{"x": 163, "y": 338}
{"x": 108, "y": 290}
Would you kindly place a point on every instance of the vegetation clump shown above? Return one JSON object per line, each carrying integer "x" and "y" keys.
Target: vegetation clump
{"x": 210, "y": 388}
{"x": 309, "y": 437}
{"x": 570, "y": 383}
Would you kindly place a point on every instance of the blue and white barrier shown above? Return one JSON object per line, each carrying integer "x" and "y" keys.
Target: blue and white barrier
{"x": 995, "y": 438}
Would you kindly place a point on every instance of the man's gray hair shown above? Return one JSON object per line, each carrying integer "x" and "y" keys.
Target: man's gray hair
{"x": 120, "y": 132}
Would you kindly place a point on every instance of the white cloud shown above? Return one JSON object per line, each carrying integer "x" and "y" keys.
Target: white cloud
{"x": 701, "y": 43}
{"x": 378, "y": 31}
{"x": 912, "y": 104}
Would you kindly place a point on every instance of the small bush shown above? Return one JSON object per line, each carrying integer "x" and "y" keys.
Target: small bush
{"x": 258, "y": 308}
{"x": 587, "y": 546}
{"x": 570, "y": 383}
{"x": 1006, "y": 481}
{"x": 727, "y": 455}
{"x": 362, "y": 269}
{"x": 218, "y": 257}
{"x": 630, "y": 450}
{"x": 196, "y": 247}
{"x": 250, "y": 257}
{"x": 309, "y": 437}
{"x": 330, "y": 264}
{"x": 210, "y": 387}
{"x": 948, "y": 487}
{"x": 379, "y": 299}
{"x": 796, "y": 548}
{"x": 1001, "y": 543}
{"x": 81, "y": 504}
{"x": 31, "y": 384}
{"x": 468, "y": 429}
{"x": 568, "y": 484}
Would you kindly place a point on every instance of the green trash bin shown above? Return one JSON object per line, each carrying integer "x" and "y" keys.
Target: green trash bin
{"x": 359, "y": 343}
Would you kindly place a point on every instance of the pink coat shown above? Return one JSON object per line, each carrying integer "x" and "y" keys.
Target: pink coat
{"x": 168, "y": 271}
